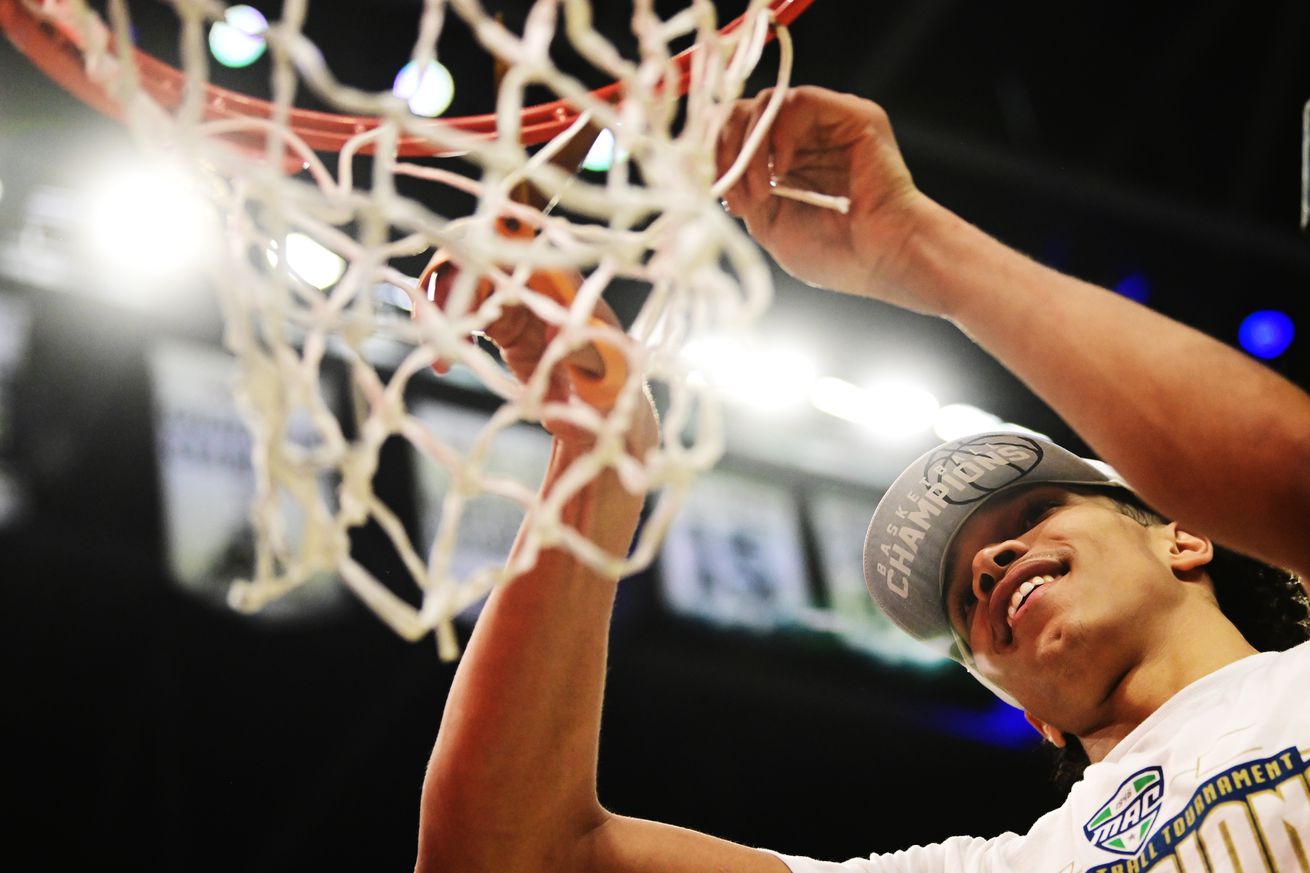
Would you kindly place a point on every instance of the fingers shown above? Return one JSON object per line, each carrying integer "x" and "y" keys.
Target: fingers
{"x": 436, "y": 282}
{"x": 743, "y": 197}
{"x": 597, "y": 372}
{"x": 516, "y": 328}
{"x": 788, "y": 129}
{"x": 594, "y": 371}
{"x": 798, "y": 121}
{"x": 598, "y": 369}
{"x": 728, "y": 147}
{"x": 810, "y": 120}
{"x": 758, "y": 171}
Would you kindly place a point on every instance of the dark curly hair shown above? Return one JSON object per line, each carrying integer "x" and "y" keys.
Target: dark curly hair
{"x": 1266, "y": 603}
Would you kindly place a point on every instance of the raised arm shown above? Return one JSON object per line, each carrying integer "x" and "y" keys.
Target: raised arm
{"x": 511, "y": 785}
{"x": 1203, "y": 432}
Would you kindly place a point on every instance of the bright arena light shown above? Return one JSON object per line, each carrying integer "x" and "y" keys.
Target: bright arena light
{"x": 840, "y": 399}
{"x": 428, "y": 95}
{"x": 906, "y": 409}
{"x": 311, "y": 260}
{"x": 711, "y": 355}
{"x": 147, "y": 227}
{"x": 769, "y": 380}
{"x": 955, "y": 420}
{"x": 238, "y": 40}
{"x": 891, "y": 409}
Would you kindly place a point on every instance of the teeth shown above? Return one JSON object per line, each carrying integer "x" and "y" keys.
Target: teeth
{"x": 1021, "y": 593}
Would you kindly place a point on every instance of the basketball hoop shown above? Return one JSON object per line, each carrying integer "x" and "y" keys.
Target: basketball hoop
{"x": 703, "y": 274}
{"x": 50, "y": 34}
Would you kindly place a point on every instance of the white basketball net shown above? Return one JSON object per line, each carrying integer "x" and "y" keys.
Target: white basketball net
{"x": 704, "y": 275}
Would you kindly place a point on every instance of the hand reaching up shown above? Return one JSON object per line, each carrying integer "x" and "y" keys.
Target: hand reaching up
{"x": 594, "y": 372}
{"x": 834, "y": 144}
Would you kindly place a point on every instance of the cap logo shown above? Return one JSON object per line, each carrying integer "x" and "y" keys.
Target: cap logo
{"x": 975, "y": 469}
{"x": 958, "y": 474}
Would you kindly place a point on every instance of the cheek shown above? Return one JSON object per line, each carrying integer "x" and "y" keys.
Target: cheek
{"x": 980, "y": 632}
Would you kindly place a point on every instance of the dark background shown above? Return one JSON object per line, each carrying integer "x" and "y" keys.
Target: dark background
{"x": 145, "y": 730}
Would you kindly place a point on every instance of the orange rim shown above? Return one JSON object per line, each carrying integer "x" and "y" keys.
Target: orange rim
{"x": 58, "y": 54}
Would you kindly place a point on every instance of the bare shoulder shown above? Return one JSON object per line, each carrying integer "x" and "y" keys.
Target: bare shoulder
{"x": 632, "y": 845}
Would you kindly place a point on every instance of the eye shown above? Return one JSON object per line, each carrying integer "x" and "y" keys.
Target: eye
{"x": 1036, "y": 511}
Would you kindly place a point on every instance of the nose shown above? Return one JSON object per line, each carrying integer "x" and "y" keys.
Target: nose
{"x": 989, "y": 565}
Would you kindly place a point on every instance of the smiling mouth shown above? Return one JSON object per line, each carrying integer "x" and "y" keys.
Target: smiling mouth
{"x": 1025, "y": 591}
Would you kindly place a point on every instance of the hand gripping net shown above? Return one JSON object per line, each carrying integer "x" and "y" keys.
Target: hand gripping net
{"x": 703, "y": 274}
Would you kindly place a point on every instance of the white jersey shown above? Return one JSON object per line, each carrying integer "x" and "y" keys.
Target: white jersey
{"x": 1215, "y": 780}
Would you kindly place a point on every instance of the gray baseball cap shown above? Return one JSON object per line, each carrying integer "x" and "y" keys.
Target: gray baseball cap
{"x": 918, "y": 518}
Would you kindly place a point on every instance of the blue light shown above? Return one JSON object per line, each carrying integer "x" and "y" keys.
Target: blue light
{"x": 1000, "y": 725}
{"x": 1134, "y": 286}
{"x": 1266, "y": 333}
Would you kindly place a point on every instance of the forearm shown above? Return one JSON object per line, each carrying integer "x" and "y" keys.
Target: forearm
{"x": 1204, "y": 433}
{"x": 512, "y": 777}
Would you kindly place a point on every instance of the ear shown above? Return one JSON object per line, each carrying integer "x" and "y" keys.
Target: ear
{"x": 1188, "y": 551}
{"x": 1050, "y": 733}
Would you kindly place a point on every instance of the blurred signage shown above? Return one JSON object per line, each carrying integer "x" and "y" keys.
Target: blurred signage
{"x": 207, "y": 481}
{"x": 734, "y": 555}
